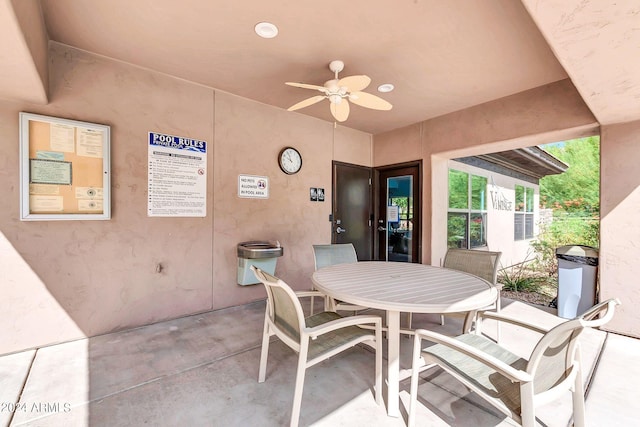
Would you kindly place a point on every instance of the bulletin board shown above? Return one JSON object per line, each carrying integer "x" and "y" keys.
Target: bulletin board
{"x": 64, "y": 169}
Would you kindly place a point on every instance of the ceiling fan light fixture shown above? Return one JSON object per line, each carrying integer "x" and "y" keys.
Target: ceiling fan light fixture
{"x": 335, "y": 98}
{"x": 266, "y": 30}
{"x": 387, "y": 87}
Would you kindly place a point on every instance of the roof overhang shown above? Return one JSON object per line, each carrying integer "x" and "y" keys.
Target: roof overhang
{"x": 532, "y": 162}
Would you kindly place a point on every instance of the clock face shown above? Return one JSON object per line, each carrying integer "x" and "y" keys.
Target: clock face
{"x": 290, "y": 160}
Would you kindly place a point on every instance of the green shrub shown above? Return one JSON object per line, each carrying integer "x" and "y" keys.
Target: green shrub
{"x": 566, "y": 229}
{"x": 519, "y": 278}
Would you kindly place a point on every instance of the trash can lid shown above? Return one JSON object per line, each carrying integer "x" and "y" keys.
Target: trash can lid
{"x": 577, "y": 250}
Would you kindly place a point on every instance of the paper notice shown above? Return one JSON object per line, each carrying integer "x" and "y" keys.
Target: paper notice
{"x": 49, "y": 155}
{"x": 90, "y": 205}
{"x": 89, "y": 143}
{"x": 393, "y": 213}
{"x": 45, "y": 203}
{"x": 43, "y": 189}
{"x": 62, "y": 138}
{"x": 50, "y": 172}
{"x": 89, "y": 193}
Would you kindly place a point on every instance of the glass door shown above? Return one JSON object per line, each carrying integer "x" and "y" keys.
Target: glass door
{"x": 398, "y": 217}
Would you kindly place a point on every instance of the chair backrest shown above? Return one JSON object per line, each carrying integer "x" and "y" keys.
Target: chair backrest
{"x": 340, "y": 253}
{"x": 285, "y": 311}
{"x": 555, "y": 354}
{"x": 483, "y": 264}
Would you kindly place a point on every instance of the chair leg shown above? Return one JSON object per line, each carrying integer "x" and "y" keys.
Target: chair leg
{"x": 578, "y": 402}
{"x": 330, "y": 304}
{"x": 442, "y": 320}
{"x": 265, "y": 349}
{"x": 378, "y": 380}
{"x": 469, "y": 319}
{"x": 415, "y": 370}
{"x": 297, "y": 394}
{"x": 498, "y": 307}
{"x": 526, "y": 401}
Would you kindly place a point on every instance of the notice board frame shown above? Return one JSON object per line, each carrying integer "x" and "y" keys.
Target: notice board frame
{"x": 65, "y": 169}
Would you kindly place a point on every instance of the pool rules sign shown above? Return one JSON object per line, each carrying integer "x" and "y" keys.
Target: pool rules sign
{"x": 177, "y": 175}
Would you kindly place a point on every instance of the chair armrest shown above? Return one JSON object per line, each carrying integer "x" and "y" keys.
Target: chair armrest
{"x": 508, "y": 371}
{"x": 589, "y": 317}
{"x": 303, "y": 294}
{"x": 502, "y": 318}
{"x": 333, "y": 325}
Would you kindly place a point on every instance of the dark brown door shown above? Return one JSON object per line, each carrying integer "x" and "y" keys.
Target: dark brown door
{"x": 353, "y": 208}
{"x": 398, "y": 217}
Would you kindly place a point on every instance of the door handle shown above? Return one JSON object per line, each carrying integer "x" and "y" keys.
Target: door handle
{"x": 340, "y": 230}
{"x": 381, "y": 228}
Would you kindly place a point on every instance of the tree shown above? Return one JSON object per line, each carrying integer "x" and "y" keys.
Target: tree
{"x": 574, "y": 197}
{"x": 578, "y": 189}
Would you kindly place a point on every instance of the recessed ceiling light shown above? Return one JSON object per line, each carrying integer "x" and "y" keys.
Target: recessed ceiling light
{"x": 387, "y": 87}
{"x": 266, "y": 30}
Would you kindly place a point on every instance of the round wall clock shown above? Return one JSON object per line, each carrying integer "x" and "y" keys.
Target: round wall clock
{"x": 290, "y": 160}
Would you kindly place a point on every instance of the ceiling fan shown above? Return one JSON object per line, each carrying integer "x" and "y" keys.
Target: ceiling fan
{"x": 340, "y": 91}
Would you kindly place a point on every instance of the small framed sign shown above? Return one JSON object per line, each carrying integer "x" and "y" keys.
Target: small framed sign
{"x": 316, "y": 194}
{"x": 253, "y": 187}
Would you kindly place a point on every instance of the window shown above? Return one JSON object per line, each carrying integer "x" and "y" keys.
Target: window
{"x": 467, "y": 214}
{"x": 523, "y": 217}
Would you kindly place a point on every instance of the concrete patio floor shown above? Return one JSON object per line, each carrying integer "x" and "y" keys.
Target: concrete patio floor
{"x": 201, "y": 370}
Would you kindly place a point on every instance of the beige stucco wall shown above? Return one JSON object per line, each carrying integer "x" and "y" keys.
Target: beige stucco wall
{"x": 619, "y": 227}
{"x": 33, "y": 28}
{"x": 68, "y": 279}
{"x": 23, "y": 49}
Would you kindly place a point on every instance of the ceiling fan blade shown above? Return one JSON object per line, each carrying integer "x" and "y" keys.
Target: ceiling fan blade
{"x": 367, "y": 100}
{"x": 340, "y": 111}
{"x": 355, "y": 83}
{"x": 306, "y": 102}
{"x": 306, "y": 86}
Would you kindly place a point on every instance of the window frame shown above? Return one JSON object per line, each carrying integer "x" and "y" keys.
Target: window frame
{"x": 468, "y": 213}
{"x": 524, "y": 212}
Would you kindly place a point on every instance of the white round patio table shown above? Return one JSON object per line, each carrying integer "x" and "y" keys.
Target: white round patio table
{"x": 403, "y": 287}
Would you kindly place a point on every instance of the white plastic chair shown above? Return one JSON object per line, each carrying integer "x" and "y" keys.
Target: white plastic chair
{"x": 483, "y": 264}
{"x": 315, "y": 338}
{"x": 514, "y": 385}
{"x": 338, "y": 253}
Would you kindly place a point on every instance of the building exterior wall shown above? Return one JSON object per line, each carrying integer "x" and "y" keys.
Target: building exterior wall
{"x": 619, "y": 227}
{"x": 500, "y": 217}
{"x": 63, "y": 280}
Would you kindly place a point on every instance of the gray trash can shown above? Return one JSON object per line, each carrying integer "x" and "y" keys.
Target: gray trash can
{"x": 577, "y": 277}
{"x": 263, "y": 255}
